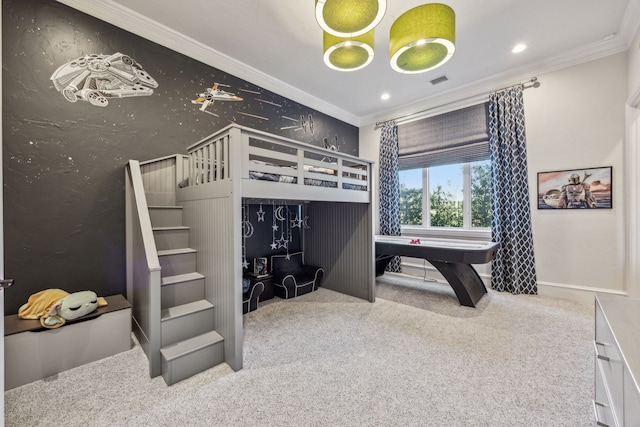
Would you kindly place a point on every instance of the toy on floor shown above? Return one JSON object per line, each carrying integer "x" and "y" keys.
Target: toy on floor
{"x": 53, "y": 307}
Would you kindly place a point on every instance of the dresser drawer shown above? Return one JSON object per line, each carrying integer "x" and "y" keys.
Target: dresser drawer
{"x": 631, "y": 401}
{"x": 609, "y": 362}
{"x": 601, "y": 405}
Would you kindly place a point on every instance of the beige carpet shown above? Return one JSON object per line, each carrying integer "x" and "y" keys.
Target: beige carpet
{"x": 412, "y": 358}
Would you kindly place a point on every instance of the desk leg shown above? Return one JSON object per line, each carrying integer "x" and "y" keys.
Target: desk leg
{"x": 464, "y": 280}
{"x": 382, "y": 261}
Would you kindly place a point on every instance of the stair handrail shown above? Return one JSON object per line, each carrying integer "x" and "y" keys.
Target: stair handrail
{"x": 153, "y": 263}
{"x": 144, "y": 294}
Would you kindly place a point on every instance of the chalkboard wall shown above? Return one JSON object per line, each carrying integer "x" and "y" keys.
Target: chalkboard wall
{"x": 80, "y": 98}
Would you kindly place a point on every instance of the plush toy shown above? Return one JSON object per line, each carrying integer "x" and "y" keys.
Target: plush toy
{"x": 54, "y": 306}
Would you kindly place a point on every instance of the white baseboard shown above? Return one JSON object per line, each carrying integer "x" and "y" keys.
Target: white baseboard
{"x": 582, "y": 294}
{"x": 570, "y": 292}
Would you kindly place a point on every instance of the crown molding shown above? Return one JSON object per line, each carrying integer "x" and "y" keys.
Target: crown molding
{"x": 630, "y": 22}
{"x": 119, "y": 16}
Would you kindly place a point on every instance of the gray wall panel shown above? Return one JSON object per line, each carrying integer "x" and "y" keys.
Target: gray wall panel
{"x": 341, "y": 241}
{"x": 212, "y": 223}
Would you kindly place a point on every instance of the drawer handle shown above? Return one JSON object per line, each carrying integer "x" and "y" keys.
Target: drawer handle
{"x": 598, "y": 355}
{"x": 598, "y": 422}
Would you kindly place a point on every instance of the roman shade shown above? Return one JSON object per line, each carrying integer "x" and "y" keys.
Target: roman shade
{"x": 459, "y": 136}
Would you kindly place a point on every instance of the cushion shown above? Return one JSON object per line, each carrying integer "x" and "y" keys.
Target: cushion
{"x": 282, "y": 266}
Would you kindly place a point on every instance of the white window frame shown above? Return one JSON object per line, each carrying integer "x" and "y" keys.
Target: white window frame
{"x": 466, "y": 232}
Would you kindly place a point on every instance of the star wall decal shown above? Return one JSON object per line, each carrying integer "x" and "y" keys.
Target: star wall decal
{"x": 282, "y": 242}
{"x": 274, "y": 246}
{"x": 260, "y": 214}
{"x": 274, "y": 227}
{"x": 296, "y": 222}
{"x": 245, "y": 264}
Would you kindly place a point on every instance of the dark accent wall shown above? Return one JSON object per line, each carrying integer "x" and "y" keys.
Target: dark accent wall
{"x": 262, "y": 240}
{"x": 63, "y": 162}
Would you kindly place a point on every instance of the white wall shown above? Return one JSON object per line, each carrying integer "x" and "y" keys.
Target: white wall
{"x": 575, "y": 119}
{"x": 633, "y": 60}
{"x": 632, "y": 155}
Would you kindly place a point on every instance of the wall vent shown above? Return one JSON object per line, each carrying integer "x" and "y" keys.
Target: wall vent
{"x": 440, "y": 79}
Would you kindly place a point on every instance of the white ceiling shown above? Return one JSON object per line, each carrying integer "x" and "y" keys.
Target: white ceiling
{"x": 277, "y": 44}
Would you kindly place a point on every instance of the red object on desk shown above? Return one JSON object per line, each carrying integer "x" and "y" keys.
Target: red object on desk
{"x": 415, "y": 241}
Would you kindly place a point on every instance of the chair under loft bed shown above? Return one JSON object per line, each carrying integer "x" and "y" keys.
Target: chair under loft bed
{"x": 292, "y": 277}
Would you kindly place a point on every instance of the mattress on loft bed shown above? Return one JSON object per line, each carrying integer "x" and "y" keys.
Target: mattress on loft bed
{"x": 290, "y": 179}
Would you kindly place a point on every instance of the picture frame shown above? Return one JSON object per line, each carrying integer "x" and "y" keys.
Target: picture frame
{"x": 260, "y": 267}
{"x": 588, "y": 188}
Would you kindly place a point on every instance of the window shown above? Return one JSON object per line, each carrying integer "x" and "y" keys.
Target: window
{"x": 455, "y": 196}
{"x": 445, "y": 174}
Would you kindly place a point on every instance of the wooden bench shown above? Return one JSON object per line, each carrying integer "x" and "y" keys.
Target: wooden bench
{"x": 32, "y": 352}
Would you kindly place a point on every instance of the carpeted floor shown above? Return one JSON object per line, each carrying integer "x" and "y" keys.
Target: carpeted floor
{"x": 415, "y": 357}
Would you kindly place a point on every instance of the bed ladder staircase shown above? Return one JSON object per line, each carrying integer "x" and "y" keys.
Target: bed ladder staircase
{"x": 189, "y": 343}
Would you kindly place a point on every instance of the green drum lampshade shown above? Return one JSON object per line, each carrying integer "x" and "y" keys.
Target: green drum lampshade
{"x": 349, "y": 18}
{"x": 348, "y": 54}
{"x": 422, "y": 38}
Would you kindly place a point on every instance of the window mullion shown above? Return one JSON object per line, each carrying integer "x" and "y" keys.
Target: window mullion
{"x": 466, "y": 195}
{"x": 426, "y": 202}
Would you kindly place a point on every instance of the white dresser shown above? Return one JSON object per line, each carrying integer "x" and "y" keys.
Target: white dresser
{"x": 617, "y": 361}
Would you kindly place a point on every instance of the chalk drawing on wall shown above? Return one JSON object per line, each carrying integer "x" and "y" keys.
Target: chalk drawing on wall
{"x": 96, "y": 78}
{"x": 213, "y": 94}
{"x": 305, "y": 124}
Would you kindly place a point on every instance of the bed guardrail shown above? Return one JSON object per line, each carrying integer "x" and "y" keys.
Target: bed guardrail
{"x": 279, "y": 159}
{"x": 207, "y": 159}
{"x": 266, "y": 155}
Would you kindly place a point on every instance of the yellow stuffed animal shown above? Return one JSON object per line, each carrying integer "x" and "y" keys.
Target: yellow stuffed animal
{"x": 54, "y": 306}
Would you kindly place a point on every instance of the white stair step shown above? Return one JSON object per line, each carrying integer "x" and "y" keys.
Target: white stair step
{"x": 185, "y": 347}
{"x": 185, "y": 321}
{"x": 173, "y": 227}
{"x": 182, "y": 289}
{"x": 184, "y": 310}
{"x": 167, "y": 252}
{"x": 181, "y": 278}
{"x": 187, "y": 358}
{"x": 171, "y": 237}
{"x": 177, "y": 261}
{"x": 165, "y": 216}
{"x": 160, "y": 198}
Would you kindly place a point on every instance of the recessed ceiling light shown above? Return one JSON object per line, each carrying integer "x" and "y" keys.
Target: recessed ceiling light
{"x": 519, "y": 48}
{"x": 385, "y": 96}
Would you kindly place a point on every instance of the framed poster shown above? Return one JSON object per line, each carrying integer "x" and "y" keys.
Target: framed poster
{"x": 575, "y": 189}
{"x": 260, "y": 267}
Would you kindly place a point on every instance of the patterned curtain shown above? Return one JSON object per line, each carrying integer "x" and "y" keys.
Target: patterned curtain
{"x": 513, "y": 269}
{"x": 389, "y": 187}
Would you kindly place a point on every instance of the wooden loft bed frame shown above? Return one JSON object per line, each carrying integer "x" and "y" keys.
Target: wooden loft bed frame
{"x": 260, "y": 160}
{"x": 229, "y": 168}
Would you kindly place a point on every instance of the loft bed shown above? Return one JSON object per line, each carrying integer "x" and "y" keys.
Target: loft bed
{"x": 260, "y": 160}
{"x": 238, "y": 165}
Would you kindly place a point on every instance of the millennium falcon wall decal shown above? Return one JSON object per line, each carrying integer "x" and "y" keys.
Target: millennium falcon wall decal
{"x": 96, "y": 78}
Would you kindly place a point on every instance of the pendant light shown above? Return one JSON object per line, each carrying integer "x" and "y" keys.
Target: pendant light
{"x": 348, "y": 54}
{"x": 422, "y": 38}
{"x": 349, "y": 18}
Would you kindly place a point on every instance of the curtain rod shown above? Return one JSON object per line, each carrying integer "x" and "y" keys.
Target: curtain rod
{"x": 532, "y": 82}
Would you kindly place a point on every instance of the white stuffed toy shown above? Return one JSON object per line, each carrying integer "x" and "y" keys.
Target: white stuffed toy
{"x": 54, "y": 306}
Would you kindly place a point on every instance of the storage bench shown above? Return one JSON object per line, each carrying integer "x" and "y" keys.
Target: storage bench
{"x": 32, "y": 352}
